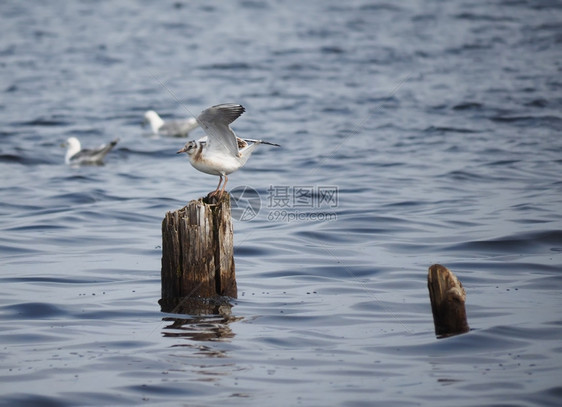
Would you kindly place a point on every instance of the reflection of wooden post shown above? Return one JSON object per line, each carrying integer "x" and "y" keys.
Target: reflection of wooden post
{"x": 197, "y": 253}
{"x": 447, "y": 297}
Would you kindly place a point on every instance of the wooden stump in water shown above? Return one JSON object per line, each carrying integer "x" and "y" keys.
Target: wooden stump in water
{"x": 198, "y": 256}
{"x": 447, "y": 297}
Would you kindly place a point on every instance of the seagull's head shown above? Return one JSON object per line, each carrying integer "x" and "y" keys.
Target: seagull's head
{"x": 189, "y": 148}
{"x": 73, "y": 147}
{"x": 152, "y": 118}
{"x": 72, "y": 143}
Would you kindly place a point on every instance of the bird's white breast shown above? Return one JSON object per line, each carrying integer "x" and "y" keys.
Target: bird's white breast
{"x": 217, "y": 164}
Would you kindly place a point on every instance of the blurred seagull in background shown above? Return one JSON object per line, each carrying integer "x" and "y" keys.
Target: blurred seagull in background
{"x": 170, "y": 128}
{"x": 220, "y": 152}
{"x": 75, "y": 154}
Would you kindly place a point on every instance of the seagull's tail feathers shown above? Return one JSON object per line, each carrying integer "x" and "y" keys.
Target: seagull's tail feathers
{"x": 107, "y": 148}
{"x": 261, "y": 142}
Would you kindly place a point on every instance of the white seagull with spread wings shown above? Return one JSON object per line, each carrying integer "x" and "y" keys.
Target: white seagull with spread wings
{"x": 220, "y": 152}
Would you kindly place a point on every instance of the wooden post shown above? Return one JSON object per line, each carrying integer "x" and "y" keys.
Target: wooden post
{"x": 447, "y": 297}
{"x": 198, "y": 256}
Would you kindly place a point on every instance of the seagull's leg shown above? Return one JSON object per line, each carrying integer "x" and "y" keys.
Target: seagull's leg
{"x": 218, "y": 186}
{"x": 224, "y": 185}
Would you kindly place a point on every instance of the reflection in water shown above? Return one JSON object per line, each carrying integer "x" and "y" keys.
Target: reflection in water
{"x": 201, "y": 320}
{"x": 200, "y": 328}
{"x": 194, "y": 305}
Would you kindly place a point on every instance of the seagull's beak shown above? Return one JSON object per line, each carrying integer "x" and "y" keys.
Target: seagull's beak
{"x": 181, "y": 150}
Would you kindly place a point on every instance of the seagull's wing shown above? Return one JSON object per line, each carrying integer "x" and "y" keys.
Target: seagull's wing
{"x": 91, "y": 156}
{"x": 178, "y": 128}
{"x": 215, "y": 121}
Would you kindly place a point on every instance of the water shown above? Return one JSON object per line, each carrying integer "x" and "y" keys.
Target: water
{"x": 413, "y": 133}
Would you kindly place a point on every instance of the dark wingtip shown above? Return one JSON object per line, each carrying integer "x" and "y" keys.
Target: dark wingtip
{"x": 235, "y": 106}
{"x": 239, "y": 108}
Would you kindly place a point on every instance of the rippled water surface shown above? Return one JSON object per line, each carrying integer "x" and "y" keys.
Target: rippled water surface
{"x": 412, "y": 133}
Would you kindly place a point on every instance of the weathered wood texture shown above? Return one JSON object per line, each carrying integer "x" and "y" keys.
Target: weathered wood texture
{"x": 447, "y": 297}
{"x": 198, "y": 251}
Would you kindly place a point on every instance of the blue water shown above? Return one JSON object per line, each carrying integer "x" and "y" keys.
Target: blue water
{"x": 434, "y": 126}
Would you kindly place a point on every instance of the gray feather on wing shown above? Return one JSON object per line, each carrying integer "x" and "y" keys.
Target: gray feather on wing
{"x": 216, "y": 121}
{"x": 179, "y": 128}
{"x": 93, "y": 155}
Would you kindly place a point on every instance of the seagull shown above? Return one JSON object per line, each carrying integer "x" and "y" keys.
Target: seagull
{"x": 75, "y": 154}
{"x": 220, "y": 152}
{"x": 171, "y": 128}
